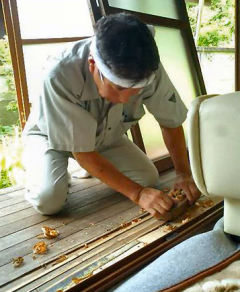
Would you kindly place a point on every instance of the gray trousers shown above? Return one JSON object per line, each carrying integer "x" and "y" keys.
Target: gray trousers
{"x": 47, "y": 176}
{"x": 186, "y": 259}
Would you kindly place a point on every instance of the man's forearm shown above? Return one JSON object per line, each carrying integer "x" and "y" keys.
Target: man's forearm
{"x": 100, "y": 167}
{"x": 175, "y": 143}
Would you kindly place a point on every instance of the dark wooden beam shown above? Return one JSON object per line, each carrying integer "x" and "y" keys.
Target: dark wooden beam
{"x": 147, "y": 18}
{"x": 51, "y": 40}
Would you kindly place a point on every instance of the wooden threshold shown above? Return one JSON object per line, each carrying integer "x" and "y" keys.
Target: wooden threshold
{"x": 99, "y": 230}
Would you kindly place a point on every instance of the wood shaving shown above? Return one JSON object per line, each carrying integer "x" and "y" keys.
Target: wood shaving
{"x": 125, "y": 224}
{"x": 168, "y": 228}
{"x": 85, "y": 245}
{"x": 208, "y": 203}
{"x": 185, "y": 220}
{"x": 136, "y": 220}
{"x": 17, "y": 262}
{"x": 61, "y": 259}
{"x": 177, "y": 194}
{"x": 79, "y": 280}
{"x": 49, "y": 232}
{"x": 40, "y": 247}
{"x": 205, "y": 204}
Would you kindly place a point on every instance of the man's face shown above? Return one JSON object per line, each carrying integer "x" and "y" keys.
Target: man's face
{"x": 109, "y": 90}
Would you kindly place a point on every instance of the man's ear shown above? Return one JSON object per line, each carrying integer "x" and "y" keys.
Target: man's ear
{"x": 91, "y": 64}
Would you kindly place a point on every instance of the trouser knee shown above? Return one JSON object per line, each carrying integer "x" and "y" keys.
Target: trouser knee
{"x": 48, "y": 200}
{"x": 150, "y": 177}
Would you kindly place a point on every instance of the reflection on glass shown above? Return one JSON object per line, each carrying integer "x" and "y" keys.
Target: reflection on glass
{"x": 218, "y": 71}
{"x": 38, "y": 60}
{"x": 154, "y": 7}
{"x": 173, "y": 55}
{"x": 54, "y": 18}
{"x": 152, "y": 136}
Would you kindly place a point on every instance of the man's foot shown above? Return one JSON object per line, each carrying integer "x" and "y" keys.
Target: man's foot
{"x": 81, "y": 173}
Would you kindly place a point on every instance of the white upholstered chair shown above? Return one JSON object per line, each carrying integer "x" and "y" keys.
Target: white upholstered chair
{"x": 214, "y": 151}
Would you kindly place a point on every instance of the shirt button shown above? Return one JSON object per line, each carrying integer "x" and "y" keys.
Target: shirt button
{"x": 109, "y": 128}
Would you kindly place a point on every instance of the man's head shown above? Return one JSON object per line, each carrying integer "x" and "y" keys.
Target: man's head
{"x": 123, "y": 56}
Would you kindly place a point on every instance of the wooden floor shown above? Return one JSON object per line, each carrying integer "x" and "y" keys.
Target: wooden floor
{"x": 97, "y": 227}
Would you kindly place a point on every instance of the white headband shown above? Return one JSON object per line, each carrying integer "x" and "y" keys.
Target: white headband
{"x": 106, "y": 71}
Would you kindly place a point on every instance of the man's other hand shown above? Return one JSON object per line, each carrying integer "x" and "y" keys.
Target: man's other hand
{"x": 186, "y": 183}
{"x": 155, "y": 202}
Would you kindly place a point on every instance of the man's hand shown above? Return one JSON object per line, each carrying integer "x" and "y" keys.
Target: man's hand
{"x": 155, "y": 202}
{"x": 186, "y": 183}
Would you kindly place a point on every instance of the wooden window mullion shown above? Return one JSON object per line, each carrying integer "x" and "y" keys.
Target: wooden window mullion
{"x": 189, "y": 41}
{"x": 13, "y": 51}
{"x": 20, "y": 59}
{"x": 51, "y": 40}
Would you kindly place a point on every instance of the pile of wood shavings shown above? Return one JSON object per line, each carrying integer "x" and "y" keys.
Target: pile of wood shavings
{"x": 40, "y": 247}
{"x": 177, "y": 194}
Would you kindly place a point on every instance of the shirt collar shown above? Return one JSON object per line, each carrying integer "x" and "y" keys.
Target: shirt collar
{"x": 90, "y": 91}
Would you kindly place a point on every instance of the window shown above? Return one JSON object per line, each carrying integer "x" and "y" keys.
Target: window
{"x": 37, "y": 31}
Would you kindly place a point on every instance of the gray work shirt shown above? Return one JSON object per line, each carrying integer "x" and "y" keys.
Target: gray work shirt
{"x": 74, "y": 117}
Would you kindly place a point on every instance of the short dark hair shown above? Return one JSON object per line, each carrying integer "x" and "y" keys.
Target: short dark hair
{"x": 127, "y": 46}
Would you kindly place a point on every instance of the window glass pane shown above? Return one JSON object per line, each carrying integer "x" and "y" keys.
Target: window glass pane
{"x": 54, "y": 18}
{"x": 38, "y": 59}
{"x": 173, "y": 55}
{"x": 218, "y": 68}
{"x": 152, "y": 136}
{"x": 154, "y": 7}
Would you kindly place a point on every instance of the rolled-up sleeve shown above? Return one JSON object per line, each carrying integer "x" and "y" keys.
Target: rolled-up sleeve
{"x": 164, "y": 103}
{"x": 67, "y": 124}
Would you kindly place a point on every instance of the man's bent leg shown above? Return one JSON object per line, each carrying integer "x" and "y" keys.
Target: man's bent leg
{"x": 46, "y": 175}
{"x": 132, "y": 162}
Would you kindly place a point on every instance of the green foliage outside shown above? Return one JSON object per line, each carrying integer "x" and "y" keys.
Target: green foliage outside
{"x": 5, "y": 181}
{"x": 217, "y": 25}
{"x": 6, "y": 66}
{"x": 10, "y": 144}
{"x": 11, "y": 168}
{"x": 7, "y": 90}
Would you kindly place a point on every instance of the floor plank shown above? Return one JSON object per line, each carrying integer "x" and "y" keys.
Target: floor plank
{"x": 94, "y": 215}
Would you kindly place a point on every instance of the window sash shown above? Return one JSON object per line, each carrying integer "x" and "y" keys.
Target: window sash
{"x": 16, "y": 43}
